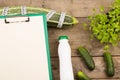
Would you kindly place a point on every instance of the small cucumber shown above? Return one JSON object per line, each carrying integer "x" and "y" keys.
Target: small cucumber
{"x": 82, "y": 76}
{"x": 109, "y": 64}
{"x": 87, "y": 58}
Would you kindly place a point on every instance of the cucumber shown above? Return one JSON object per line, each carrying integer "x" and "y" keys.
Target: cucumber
{"x": 109, "y": 64}
{"x": 87, "y": 58}
{"x": 82, "y": 76}
{"x": 52, "y": 22}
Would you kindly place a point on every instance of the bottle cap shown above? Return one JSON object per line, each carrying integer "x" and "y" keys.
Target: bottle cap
{"x": 63, "y": 37}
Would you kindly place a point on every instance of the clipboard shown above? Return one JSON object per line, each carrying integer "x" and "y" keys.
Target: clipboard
{"x": 24, "y": 48}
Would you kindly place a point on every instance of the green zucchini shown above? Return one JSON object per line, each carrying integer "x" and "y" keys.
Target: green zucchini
{"x": 86, "y": 57}
{"x": 109, "y": 64}
{"x": 82, "y": 76}
{"x": 52, "y": 22}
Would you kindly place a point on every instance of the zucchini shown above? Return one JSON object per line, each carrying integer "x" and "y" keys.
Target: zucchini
{"x": 86, "y": 57}
{"x": 52, "y": 22}
{"x": 82, "y": 76}
{"x": 109, "y": 64}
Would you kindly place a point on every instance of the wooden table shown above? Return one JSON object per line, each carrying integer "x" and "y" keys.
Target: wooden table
{"x": 78, "y": 36}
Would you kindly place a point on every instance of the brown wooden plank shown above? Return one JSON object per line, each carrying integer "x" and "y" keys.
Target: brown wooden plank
{"x": 83, "y": 8}
{"x": 107, "y": 3}
{"x": 59, "y": 5}
{"x": 97, "y": 74}
{"x": 78, "y": 36}
{"x": 37, "y": 3}
{"x": 101, "y": 67}
{"x": 77, "y": 8}
{"x": 94, "y": 50}
{"x": 14, "y": 2}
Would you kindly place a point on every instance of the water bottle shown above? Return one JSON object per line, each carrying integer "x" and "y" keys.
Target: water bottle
{"x": 64, "y": 53}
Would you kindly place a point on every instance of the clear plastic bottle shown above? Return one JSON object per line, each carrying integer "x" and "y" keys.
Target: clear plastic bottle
{"x": 64, "y": 53}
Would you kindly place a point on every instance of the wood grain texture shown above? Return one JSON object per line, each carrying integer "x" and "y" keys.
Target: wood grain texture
{"x": 83, "y": 8}
{"x": 14, "y": 3}
{"x": 77, "y": 8}
{"x": 106, "y": 3}
{"x": 98, "y": 73}
{"x": 37, "y": 3}
{"x": 59, "y": 5}
{"x": 78, "y": 36}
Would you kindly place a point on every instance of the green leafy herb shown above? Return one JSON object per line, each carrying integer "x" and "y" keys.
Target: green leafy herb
{"x": 106, "y": 26}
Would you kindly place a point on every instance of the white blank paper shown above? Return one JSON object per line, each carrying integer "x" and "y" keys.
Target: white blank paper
{"x": 23, "y": 53}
